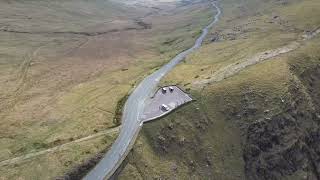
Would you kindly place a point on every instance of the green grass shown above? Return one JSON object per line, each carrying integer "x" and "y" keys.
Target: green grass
{"x": 52, "y": 164}
{"x": 256, "y": 34}
{"x": 214, "y": 127}
{"x": 181, "y": 35}
{"x": 210, "y": 127}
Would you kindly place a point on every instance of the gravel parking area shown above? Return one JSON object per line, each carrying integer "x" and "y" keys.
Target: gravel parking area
{"x": 165, "y": 100}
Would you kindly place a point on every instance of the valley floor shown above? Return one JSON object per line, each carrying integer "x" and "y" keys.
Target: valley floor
{"x": 66, "y": 69}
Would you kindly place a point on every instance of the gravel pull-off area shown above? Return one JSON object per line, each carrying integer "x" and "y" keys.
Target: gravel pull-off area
{"x": 170, "y": 97}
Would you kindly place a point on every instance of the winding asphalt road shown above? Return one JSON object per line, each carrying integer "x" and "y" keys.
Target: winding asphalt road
{"x": 133, "y": 109}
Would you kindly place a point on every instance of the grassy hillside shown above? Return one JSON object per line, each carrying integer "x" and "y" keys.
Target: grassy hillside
{"x": 260, "y": 119}
{"x": 65, "y": 68}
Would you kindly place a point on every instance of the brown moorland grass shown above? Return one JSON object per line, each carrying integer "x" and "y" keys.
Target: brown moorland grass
{"x": 61, "y": 79}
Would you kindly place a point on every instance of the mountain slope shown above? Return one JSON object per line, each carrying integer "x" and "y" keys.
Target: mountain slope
{"x": 260, "y": 119}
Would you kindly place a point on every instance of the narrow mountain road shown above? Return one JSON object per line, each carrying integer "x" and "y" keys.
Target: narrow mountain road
{"x": 133, "y": 109}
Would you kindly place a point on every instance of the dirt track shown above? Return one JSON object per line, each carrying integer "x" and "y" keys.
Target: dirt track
{"x": 234, "y": 68}
{"x": 35, "y": 154}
